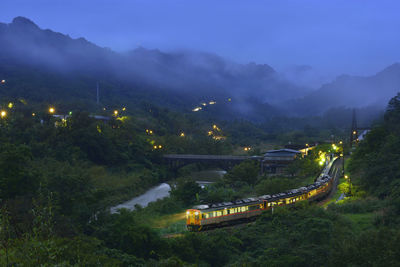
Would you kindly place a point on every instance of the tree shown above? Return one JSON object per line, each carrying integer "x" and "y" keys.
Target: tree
{"x": 186, "y": 190}
{"x": 16, "y": 175}
{"x": 246, "y": 171}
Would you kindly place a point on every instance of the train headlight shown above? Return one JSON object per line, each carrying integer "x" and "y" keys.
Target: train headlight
{"x": 187, "y": 213}
{"x": 196, "y": 213}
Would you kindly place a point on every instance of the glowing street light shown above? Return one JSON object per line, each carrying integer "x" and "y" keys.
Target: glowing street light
{"x": 33, "y": 114}
{"x": 3, "y": 114}
{"x": 10, "y": 105}
{"x": 182, "y": 134}
{"x": 3, "y": 81}
{"x": 51, "y": 110}
{"x": 115, "y": 112}
{"x": 124, "y": 108}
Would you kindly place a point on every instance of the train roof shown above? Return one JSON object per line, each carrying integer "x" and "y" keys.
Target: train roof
{"x": 256, "y": 200}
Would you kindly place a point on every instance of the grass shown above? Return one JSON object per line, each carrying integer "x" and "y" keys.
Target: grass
{"x": 171, "y": 224}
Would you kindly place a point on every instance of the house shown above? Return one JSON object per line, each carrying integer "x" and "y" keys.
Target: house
{"x": 275, "y": 161}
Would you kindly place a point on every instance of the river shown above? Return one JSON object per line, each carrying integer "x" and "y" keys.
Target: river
{"x": 153, "y": 194}
{"x": 203, "y": 178}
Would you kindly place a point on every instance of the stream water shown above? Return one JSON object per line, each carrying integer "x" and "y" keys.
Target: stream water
{"x": 158, "y": 192}
{"x": 203, "y": 178}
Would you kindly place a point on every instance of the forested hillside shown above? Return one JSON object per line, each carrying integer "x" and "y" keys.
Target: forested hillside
{"x": 67, "y": 157}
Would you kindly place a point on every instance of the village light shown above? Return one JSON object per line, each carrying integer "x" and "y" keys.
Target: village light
{"x": 51, "y": 110}
{"x": 3, "y": 113}
{"x": 115, "y": 112}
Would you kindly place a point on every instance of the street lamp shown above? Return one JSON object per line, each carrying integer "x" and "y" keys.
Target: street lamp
{"x": 3, "y": 114}
{"x": 52, "y": 110}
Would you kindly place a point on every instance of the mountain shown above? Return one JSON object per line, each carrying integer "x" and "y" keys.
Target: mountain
{"x": 351, "y": 92}
{"x": 61, "y": 68}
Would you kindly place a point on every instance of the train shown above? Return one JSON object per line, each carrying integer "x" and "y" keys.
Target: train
{"x": 206, "y": 217}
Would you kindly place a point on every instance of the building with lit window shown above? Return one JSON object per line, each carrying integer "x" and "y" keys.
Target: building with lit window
{"x": 275, "y": 161}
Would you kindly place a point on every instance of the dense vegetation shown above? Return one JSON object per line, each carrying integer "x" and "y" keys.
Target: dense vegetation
{"x": 59, "y": 177}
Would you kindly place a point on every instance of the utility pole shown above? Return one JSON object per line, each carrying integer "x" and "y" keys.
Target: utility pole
{"x": 97, "y": 94}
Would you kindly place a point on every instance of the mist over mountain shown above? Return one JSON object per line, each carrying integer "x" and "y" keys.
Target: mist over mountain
{"x": 43, "y": 65}
{"x": 351, "y": 92}
{"x": 192, "y": 77}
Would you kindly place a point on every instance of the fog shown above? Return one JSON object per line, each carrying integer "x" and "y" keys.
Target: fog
{"x": 257, "y": 90}
{"x": 334, "y": 37}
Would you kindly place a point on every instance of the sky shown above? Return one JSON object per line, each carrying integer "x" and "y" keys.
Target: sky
{"x": 357, "y": 37}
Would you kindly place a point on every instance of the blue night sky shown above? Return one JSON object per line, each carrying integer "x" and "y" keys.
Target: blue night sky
{"x": 341, "y": 36}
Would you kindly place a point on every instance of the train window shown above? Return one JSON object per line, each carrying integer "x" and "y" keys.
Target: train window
{"x": 255, "y": 207}
{"x": 214, "y": 214}
{"x": 225, "y": 212}
{"x": 232, "y": 211}
{"x": 219, "y": 213}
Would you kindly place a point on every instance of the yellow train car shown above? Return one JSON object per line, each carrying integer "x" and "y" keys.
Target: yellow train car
{"x": 204, "y": 217}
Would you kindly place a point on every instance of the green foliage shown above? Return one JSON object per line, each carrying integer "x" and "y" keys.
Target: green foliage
{"x": 273, "y": 185}
{"x": 375, "y": 164}
{"x": 125, "y": 232}
{"x": 246, "y": 172}
{"x": 186, "y": 190}
{"x": 16, "y": 175}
